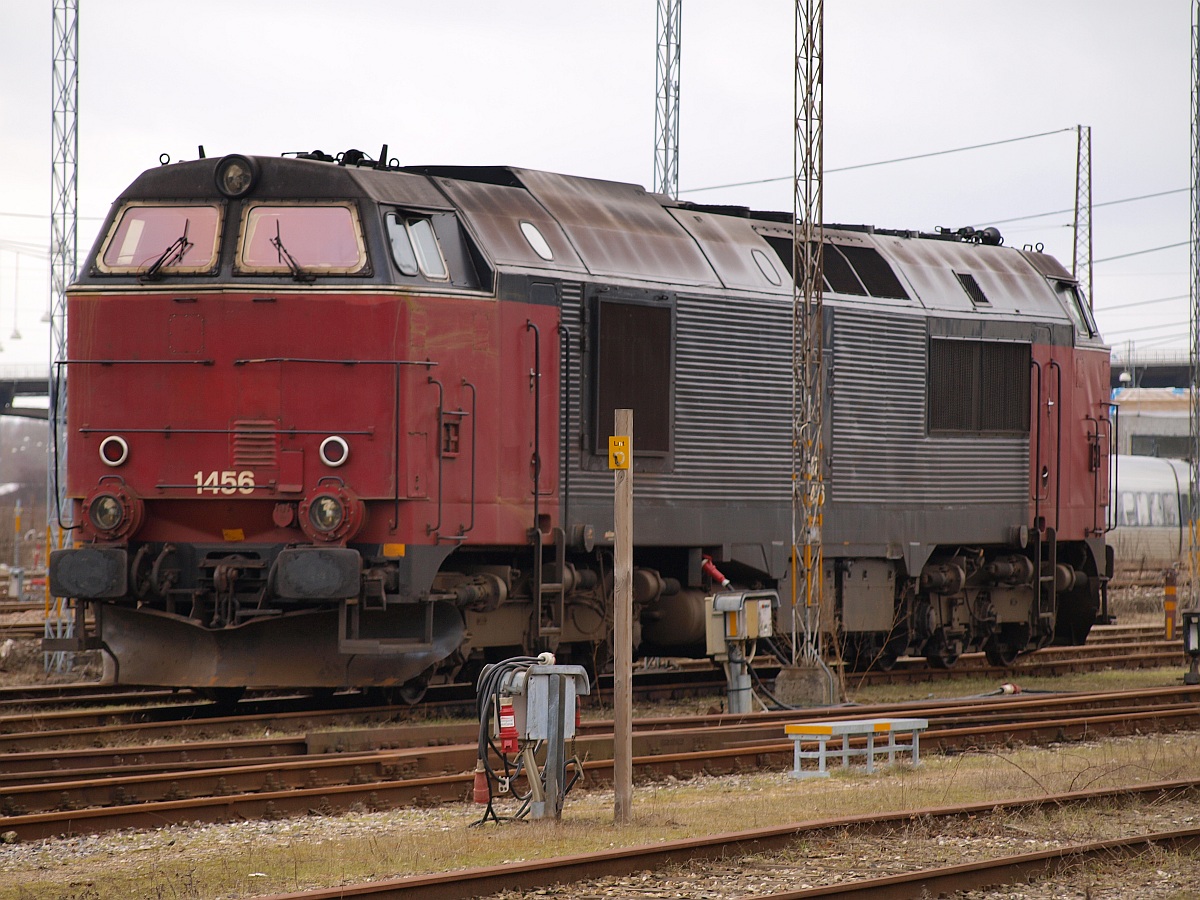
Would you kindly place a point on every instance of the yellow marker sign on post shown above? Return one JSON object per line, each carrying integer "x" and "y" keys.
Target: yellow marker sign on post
{"x": 618, "y": 452}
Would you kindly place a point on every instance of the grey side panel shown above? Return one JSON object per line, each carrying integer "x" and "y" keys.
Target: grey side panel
{"x": 732, "y": 440}
{"x": 732, "y": 406}
{"x": 880, "y": 451}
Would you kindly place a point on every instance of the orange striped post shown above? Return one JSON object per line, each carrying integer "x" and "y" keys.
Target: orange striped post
{"x": 1170, "y": 604}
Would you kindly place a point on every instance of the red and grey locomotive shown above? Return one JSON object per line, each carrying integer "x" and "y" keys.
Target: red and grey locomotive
{"x": 336, "y": 422}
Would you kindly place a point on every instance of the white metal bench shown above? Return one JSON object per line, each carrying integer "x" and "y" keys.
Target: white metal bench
{"x": 822, "y": 732}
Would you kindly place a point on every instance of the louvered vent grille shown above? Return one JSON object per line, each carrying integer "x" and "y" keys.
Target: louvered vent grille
{"x": 953, "y": 371}
{"x": 978, "y": 386}
{"x": 875, "y": 273}
{"x": 974, "y": 291}
{"x": 857, "y": 271}
{"x": 255, "y": 444}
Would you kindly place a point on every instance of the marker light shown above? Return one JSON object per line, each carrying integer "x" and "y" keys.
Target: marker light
{"x": 114, "y": 450}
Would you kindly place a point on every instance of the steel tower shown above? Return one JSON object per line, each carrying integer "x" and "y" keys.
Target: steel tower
{"x": 808, "y": 480}
{"x": 666, "y": 109}
{"x": 1081, "y": 261}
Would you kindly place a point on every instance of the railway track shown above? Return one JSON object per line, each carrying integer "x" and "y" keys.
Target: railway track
{"x": 1109, "y": 646}
{"x": 729, "y": 850}
{"x": 376, "y": 769}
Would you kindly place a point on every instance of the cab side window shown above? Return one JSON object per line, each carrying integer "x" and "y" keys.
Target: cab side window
{"x": 415, "y": 248}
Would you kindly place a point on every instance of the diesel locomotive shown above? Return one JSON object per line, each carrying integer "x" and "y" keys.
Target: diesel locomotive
{"x": 332, "y": 422}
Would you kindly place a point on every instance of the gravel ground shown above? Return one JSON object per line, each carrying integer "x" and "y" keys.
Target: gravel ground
{"x": 72, "y": 864}
{"x": 845, "y": 857}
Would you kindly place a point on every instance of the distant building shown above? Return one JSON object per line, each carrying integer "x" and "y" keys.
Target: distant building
{"x": 1150, "y": 369}
{"x": 1153, "y": 421}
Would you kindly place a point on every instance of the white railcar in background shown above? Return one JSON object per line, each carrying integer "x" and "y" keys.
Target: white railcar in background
{"x": 1150, "y": 509}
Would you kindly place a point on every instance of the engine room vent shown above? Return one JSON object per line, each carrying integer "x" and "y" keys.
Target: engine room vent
{"x": 978, "y": 387}
{"x": 255, "y": 444}
{"x": 858, "y": 271}
{"x": 974, "y": 291}
{"x": 874, "y": 272}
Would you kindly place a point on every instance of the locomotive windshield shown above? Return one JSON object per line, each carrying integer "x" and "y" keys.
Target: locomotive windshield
{"x": 167, "y": 238}
{"x": 315, "y": 238}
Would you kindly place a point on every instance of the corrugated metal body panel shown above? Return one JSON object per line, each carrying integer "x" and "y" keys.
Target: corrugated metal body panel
{"x": 1005, "y": 277}
{"x": 619, "y": 230}
{"x": 495, "y": 213}
{"x": 730, "y": 243}
{"x": 732, "y": 405}
{"x": 881, "y": 452}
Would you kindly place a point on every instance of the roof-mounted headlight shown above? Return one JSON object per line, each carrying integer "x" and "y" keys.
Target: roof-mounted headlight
{"x": 236, "y": 175}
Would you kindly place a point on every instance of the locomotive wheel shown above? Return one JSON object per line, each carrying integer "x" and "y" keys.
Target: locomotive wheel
{"x": 941, "y": 653}
{"x": 413, "y": 691}
{"x": 1003, "y": 647}
{"x": 875, "y": 650}
{"x": 1077, "y": 611}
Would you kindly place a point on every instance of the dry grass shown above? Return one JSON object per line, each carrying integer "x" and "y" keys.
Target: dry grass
{"x": 258, "y": 857}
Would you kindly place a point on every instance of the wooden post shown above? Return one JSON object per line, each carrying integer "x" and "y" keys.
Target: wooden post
{"x": 621, "y": 462}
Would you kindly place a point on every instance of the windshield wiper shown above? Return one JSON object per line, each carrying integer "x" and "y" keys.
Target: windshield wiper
{"x": 298, "y": 274}
{"x": 174, "y": 253}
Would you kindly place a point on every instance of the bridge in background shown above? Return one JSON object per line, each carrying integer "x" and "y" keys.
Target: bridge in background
{"x": 23, "y": 380}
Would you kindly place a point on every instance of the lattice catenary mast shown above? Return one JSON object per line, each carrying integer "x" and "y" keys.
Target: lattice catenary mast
{"x": 666, "y": 109}
{"x": 1194, "y": 330}
{"x": 808, "y": 482}
{"x": 64, "y": 241}
{"x": 1081, "y": 260}
{"x": 63, "y": 252}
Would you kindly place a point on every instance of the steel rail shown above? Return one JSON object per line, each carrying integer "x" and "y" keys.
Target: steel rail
{"x": 718, "y": 751}
{"x": 1025, "y": 867}
{"x": 478, "y": 882}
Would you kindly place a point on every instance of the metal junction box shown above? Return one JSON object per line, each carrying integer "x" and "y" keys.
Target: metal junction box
{"x": 548, "y": 691}
{"x": 738, "y": 616}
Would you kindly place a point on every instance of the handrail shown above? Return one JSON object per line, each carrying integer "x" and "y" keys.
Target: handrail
{"x": 462, "y": 531}
{"x": 1057, "y": 444}
{"x": 437, "y": 526}
{"x": 1037, "y": 446}
{"x": 564, "y": 334}
{"x": 535, "y": 385}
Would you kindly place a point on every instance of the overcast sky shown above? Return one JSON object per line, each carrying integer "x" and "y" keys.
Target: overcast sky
{"x": 570, "y": 87}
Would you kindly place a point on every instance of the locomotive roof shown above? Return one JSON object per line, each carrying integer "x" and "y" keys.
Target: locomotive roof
{"x": 613, "y": 230}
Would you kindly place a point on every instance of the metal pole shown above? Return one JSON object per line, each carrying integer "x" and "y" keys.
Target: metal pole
{"x": 622, "y": 466}
{"x": 1081, "y": 260}
{"x": 555, "y": 751}
{"x": 808, "y": 482}
{"x": 666, "y": 107}
{"x": 1194, "y": 330}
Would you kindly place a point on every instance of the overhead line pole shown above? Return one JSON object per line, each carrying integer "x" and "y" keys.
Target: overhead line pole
{"x": 1194, "y": 330}
{"x": 64, "y": 252}
{"x": 666, "y": 109}
{"x": 808, "y": 482}
{"x": 1081, "y": 260}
